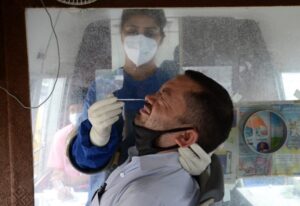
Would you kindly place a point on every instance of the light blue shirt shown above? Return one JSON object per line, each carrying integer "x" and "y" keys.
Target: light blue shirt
{"x": 150, "y": 180}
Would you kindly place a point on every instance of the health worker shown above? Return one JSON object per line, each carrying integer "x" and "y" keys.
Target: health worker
{"x": 103, "y": 132}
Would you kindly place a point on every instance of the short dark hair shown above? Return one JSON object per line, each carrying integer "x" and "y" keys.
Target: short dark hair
{"x": 210, "y": 110}
{"x": 158, "y": 15}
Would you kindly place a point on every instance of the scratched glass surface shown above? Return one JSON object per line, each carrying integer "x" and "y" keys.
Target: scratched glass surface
{"x": 253, "y": 52}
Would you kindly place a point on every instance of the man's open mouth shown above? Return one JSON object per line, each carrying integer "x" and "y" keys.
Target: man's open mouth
{"x": 147, "y": 108}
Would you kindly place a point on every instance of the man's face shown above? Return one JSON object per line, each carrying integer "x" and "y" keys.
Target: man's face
{"x": 163, "y": 109}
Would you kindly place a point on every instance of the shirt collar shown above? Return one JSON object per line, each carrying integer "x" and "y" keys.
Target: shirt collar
{"x": 154, "y": 161}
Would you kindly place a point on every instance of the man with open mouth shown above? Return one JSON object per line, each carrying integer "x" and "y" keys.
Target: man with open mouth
{"x": 190, "y": 111}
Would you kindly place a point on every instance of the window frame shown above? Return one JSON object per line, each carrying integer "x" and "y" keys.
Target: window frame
{"x": 16, "y": 162}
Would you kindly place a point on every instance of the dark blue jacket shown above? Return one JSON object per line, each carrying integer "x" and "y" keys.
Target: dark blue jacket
{"x": 89, "y": 158}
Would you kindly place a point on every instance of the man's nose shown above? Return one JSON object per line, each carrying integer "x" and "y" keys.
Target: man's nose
{"x": 151, "y": 98}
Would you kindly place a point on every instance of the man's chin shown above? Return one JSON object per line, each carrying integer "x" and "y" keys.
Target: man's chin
{"x": 138, "y": 120}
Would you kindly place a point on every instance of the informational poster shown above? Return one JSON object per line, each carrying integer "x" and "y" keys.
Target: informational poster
{"x": 287, "y": 160}
{"x": 228, "y": 153}
{"x": 269, "y": 140}
{"x": 264, "y": 140}
{"x": 265, "y": 131}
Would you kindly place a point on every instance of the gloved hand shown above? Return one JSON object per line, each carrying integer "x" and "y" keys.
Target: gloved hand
{"x": 194, "y": 159}
{"x": 102, "y": 115}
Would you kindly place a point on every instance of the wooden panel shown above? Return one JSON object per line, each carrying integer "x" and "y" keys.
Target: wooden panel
{"x": 2, "y": 70}
{"x": 165, "y": 3}
{"x": 16, "y": 185}
{"x": 5, "y": 169}
{"x": 19, "y": 173}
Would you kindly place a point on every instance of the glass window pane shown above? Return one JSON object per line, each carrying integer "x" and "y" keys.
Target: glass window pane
{"x": 291, "y": 85}
{"x": 252, "y": 52}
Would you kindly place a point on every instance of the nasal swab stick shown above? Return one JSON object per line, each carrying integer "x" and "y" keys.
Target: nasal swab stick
{"x": 131, "y": 100}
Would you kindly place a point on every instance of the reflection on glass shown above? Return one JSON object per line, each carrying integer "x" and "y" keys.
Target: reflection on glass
{"x": 107, "y": 82}
{"x": 64, "y": 178}
{"x": 265, "y": 131}
{"x": 291, "y": 85}
{"x": 245, "y": 49}
{"x": 234, "y": 52}
{"x": 273, "y": 190}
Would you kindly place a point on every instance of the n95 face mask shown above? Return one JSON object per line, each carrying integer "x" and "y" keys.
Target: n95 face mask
{"x": 74, "y": 117}
{"x": 140, "y": 49}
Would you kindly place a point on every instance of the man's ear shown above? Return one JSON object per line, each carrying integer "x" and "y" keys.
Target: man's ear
{"x": 187, "y": 138}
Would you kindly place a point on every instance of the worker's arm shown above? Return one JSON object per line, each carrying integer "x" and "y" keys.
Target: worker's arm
{"x": 87, "y": 157}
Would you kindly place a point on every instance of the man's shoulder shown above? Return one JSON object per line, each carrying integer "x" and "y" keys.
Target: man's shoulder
{"x": 166, "y": 179}
{"x": 165, "y": 189}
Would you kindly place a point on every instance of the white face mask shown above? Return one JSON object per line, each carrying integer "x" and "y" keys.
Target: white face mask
{"x": 74, "y": 117}
{"x": 140, "y": 49}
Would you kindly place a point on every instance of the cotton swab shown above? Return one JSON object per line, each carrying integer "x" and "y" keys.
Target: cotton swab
{"x": 126, "y": 100}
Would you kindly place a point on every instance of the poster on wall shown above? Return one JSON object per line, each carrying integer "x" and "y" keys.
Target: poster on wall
{"x": 228, "y": 153}
{"x": 269, "y": 140}
{"x": 264, "y": 140}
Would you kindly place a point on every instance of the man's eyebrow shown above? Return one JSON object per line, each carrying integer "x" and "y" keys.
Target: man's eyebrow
{"x": 166, "y": 90}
